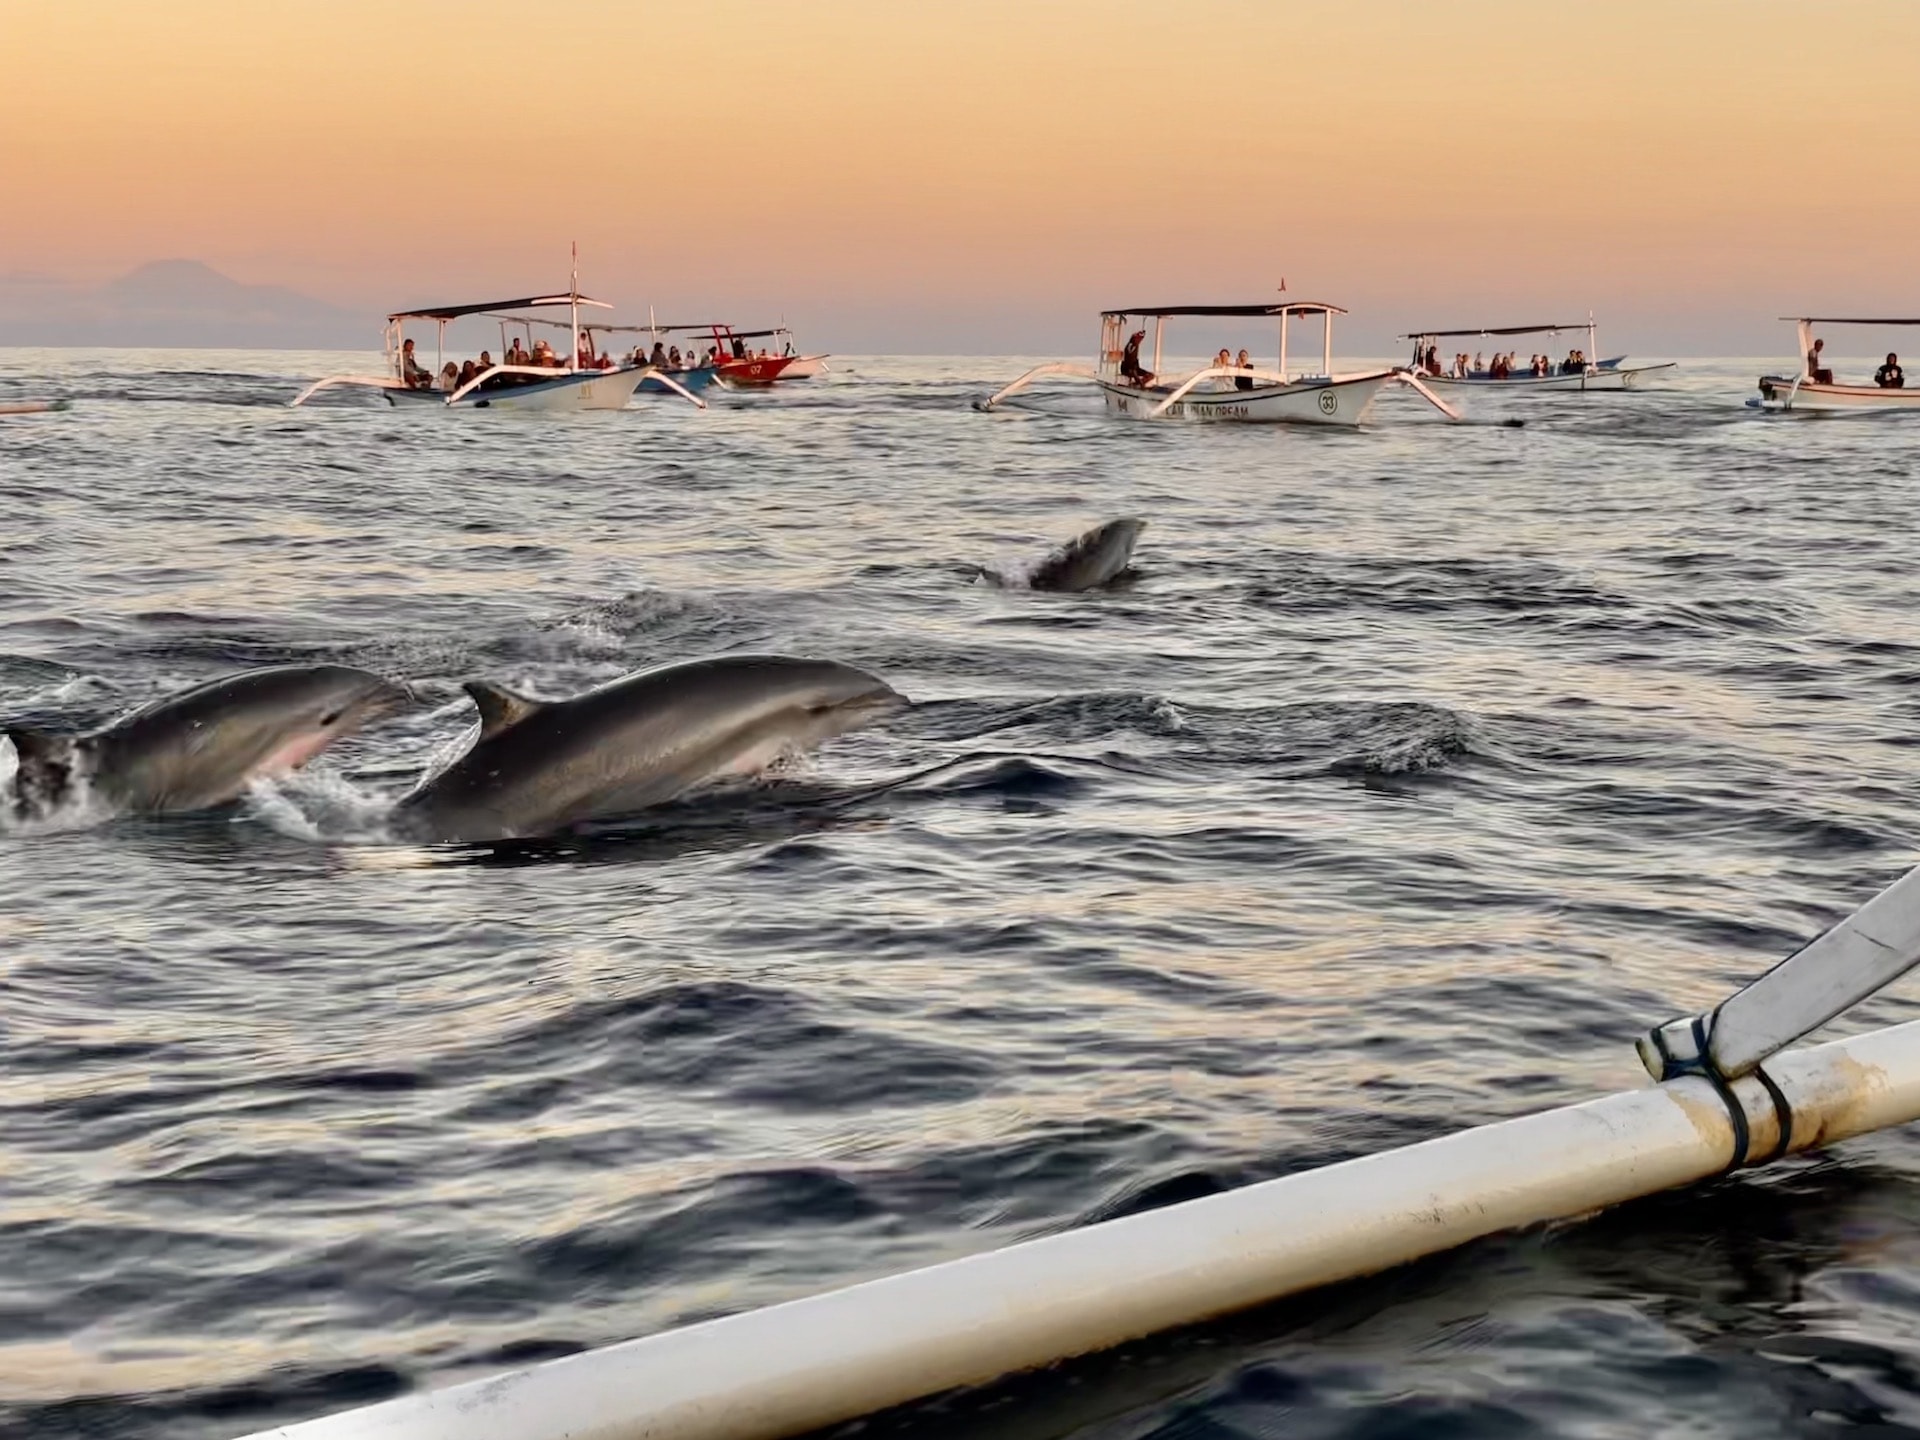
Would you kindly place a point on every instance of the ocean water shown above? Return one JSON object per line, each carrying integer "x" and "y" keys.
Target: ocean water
{"x": 1417, "y": 771}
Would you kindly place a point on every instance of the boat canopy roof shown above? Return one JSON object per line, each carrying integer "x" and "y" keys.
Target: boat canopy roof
{"x": 1842, "y": 320}
{"x": 1494, "y": 330}
{"x": 531, "y": 302}
{"x": 1285, "y": 307}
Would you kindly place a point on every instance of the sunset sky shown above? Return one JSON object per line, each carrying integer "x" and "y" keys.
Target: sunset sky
{"x": 984, "y": 176}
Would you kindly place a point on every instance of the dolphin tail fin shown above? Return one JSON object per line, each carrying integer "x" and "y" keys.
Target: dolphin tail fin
{"x": 46, "y": 767}
{"x": 500, "y": 709}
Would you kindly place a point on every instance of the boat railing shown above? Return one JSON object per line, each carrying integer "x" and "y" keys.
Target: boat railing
{"x": 1056, "y": 367}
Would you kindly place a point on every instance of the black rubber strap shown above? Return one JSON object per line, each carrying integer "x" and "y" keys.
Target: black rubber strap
{"x": 1783, "y": 1113}
{"x": 1736, "y": 1112}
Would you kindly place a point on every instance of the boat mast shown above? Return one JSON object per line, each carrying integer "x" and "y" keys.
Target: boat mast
{"x": 1326, "y": 342}
{"x": 573, "y": 301}
{"x": 1283, "y": 344}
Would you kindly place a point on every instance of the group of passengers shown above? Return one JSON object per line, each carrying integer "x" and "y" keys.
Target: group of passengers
{"x": 1502, "y": 366}
{"x": 668, "y": 357}
{"x": 543, "y": 356}
{"x": 1888, "y": 377}
{"x": 1224, "y": 361}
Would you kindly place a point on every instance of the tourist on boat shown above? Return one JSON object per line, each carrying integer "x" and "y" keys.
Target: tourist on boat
{"x": 1130, "y": 369}
{"x": 1244, "y": 382}
{"x": 1478, "y": 365}
{"x": 516, "y": 353}
{"x": 466, "y": 372}
{"x": 484, "y": 363}
{"x": 449, "y": 377}
{"x": 1817, "y": 370}
{"x": 658, "y": 359}
{"x": 415, "y": 375}
{"x": 1433, "y": 359}
{"x": 1890, "y": 376}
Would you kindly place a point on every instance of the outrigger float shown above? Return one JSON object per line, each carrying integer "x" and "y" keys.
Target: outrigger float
{"x": 1591, "y": 374}
{"x": 1802, "y": 393}
{"x": 1227, "y": 393}
{"x": 568, "y": 386}
{"x": 1728, "y": 1094}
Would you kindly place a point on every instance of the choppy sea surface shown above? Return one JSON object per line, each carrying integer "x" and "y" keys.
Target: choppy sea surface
{"x": 1418, "y": 770}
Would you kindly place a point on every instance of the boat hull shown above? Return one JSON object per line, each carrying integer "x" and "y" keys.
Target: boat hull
{"x": 1778, "y": 392}
{"x": 692, "y": 381}
{"x": 752, "y": 372}
{"x": 584, "y": 390}
{"x": 805, "y": 367}
{"x": 1344, "y": 401}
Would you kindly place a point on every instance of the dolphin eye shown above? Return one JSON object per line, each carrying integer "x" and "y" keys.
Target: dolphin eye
{"x": 332, "y": 717}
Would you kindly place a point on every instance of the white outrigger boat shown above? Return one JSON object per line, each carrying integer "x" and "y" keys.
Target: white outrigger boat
{"x": 1590, "y": 374}
{"x": 564, "y": 386}
{"x": 1225, "y": 393}
{"x": 1828, "y": 397}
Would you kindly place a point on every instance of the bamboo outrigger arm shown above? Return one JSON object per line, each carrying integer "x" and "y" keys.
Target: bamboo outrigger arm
{"x": 791, "y": 1368}
{"x": 1412, "y": 382}
{"x": 377, "y": 382}
{"x": 540, "y": 373}
{"x": 1213, "y": 372}
{"x": 1057, "y": 367}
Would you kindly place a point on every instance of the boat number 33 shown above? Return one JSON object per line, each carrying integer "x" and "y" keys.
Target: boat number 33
{"x": 1329, "y": 402}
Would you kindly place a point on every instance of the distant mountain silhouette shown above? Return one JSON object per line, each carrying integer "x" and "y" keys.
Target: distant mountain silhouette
{"x": 177, "y": 303}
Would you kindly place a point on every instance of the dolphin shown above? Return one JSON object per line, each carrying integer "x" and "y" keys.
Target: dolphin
{"x": 1086, "y": 562}
{"x": 201, "y": 747}
{"x": 540, "y": 766}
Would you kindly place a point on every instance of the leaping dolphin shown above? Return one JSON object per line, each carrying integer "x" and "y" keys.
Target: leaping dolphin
{"x": 541, "y": 766}
{"x": 1085, "y": 562}
{"x": 203, "y": 746}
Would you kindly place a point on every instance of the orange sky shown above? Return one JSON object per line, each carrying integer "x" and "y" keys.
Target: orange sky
{"x": 984, "y": 175}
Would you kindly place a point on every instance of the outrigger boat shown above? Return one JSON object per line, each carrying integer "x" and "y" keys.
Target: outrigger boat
{"x": 1227, "y": 393}
{"x": 1828, "y": 397}
{"x": 736, "y": 366}
{"x": 1613, "y": 374}
{"x": 567, "y": 386}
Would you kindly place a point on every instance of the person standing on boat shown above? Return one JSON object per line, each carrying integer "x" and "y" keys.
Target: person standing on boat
{"x": 1890, "y": 376}
{"x": 1244, "y": 382}
{"x": 1130, "y": 361}
{"x": 1817, "y": 370}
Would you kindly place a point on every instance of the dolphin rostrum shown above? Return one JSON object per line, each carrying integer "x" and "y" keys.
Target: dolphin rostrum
{"x": 201, "y": 747}
{"x": 1085, "y": 562}
{"x": 540, "y": 766}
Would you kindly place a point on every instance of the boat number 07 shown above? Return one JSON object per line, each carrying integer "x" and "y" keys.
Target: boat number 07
{"x": 1329, "y": 402}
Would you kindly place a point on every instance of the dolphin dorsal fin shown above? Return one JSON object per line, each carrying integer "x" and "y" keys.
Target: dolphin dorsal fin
{"x": 500, "y": 708}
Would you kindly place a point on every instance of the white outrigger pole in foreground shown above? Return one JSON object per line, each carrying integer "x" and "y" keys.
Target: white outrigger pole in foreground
{"x": 1228, "y": 393}
{"x": 567, "y": 386}
{"x": 1726, "y": 1096}
{"x": 1592, "y": 374}
{"x": 1825, "y": 397}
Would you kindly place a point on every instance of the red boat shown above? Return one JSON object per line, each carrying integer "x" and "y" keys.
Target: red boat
{"x": 741, "y": 365}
